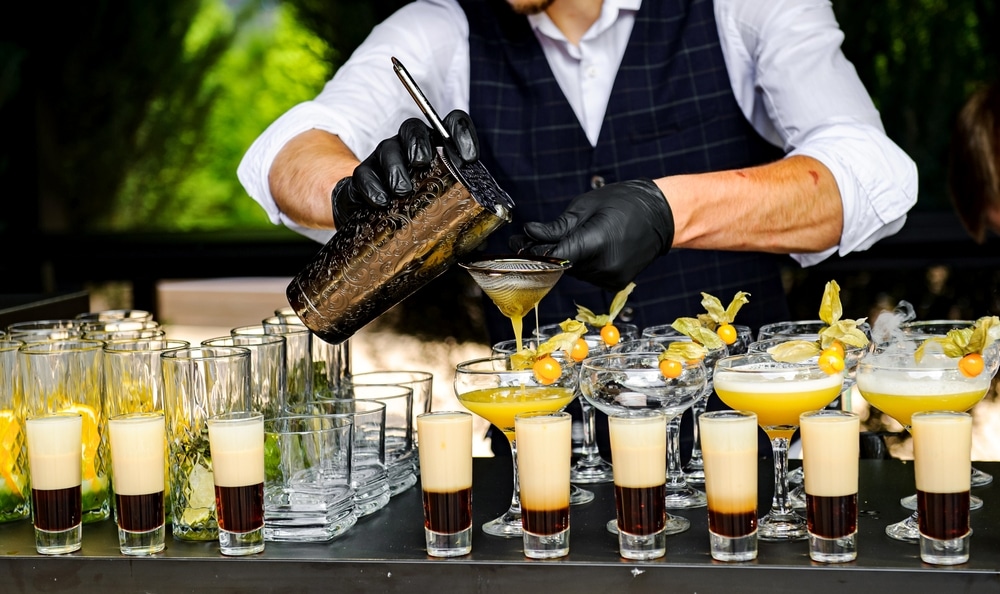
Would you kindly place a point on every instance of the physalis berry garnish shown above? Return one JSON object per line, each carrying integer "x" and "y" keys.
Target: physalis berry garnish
{"x": 609, "y": 332}
{"x": 545, "y": 367}
{"x": 832, "y": 338}
{"x": 966, "y": 344}
{"x": 672, "y": 360}
{"x": 721, "y": 319}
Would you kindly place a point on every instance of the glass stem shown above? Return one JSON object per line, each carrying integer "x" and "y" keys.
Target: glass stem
{"x": 515, "y": 499}
{"x": 696, "y": 412}
{"x": 591, "y": 455}
{"x": 675, "y": 474}
{"x": 779, "y": 503}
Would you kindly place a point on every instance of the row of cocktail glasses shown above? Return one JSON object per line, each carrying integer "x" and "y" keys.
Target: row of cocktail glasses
{"x": 777, "y": 392}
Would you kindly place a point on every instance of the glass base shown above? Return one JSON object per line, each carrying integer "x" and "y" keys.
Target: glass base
{"x": 59, "y": 542}
{"x": 578, "y": 496}
{"x": 237, "y": 544}
{"x": 833, "y": 550}
{"x": 910, "y": 502}
{"x": 401, "y": 477}
{"x": 440, "y": 544}
{"x": 546, "y": 546}
{"x": 980, "y": 478}
{"x": 506, "y": 526}
{"x": 142, "y": 543}
{"x": 642, "y": 547}
{"x": 907, "y": 531}
{"x": 954, "y": 551}
{"x": 797, "y": 497}
{"x": 782, "y": 527}
{"x": 674, "y": 525}
{"x": 694, "y": 471}
{"x": 796, "y": 476}
{"x": 685, "y": 497}
{"x": 591, "y": 471}
{"x": 729, "y": 549}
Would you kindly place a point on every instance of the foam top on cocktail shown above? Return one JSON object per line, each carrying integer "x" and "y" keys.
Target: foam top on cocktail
{"x": 500, "y": 405}
{"x": 778, "y": 396}
{"x": 899, "y": 393}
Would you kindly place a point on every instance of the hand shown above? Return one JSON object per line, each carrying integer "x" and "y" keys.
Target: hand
{"x": 387, "y": 172}
{"x": 610, "y": 234}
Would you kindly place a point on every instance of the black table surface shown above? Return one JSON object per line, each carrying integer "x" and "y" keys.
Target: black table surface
{"x": 385, "y": 553}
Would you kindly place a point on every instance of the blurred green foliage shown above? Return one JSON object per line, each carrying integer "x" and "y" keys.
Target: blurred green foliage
{"x": 919, "y": 60}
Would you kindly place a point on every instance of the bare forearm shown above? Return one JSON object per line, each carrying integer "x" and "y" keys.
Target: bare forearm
{"x": 790, "y": 206}
{"x": 304, "y": 173}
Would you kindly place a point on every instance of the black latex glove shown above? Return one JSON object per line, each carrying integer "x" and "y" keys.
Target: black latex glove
{"x": 610, "y": 234}
{"x": 387, "y": 172}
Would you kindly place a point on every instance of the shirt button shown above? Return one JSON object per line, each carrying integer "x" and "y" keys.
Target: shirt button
{"x": 591, "y": 71}
{"x": 626, "y": 314}
{"x": 596, "y": 182}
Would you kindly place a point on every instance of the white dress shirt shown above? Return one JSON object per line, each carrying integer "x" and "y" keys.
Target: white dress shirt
{"x": 790, "y": 79}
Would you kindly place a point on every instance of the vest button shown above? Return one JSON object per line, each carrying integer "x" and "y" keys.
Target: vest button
{"x": 596, "y": 182}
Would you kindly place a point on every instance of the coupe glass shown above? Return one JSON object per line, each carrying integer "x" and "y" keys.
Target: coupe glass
{"x": 680, "y": 494}
{"x": 926, "y": 328}
{"x": 694, "y": 470}
{"x": 620, "y": 382}
{"x": 797, "y": 495}
{"x": 778, "y": 392}
{"x": 577, "y": 495}
{"x": 891, "y": 380}
{"x": 492, "y": 389}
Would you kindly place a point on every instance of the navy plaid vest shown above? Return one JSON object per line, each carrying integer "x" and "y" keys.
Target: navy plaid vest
{"x": 672, "y": 111}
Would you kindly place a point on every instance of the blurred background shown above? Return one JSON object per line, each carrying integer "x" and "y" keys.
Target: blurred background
{"x": 122, "y": 123}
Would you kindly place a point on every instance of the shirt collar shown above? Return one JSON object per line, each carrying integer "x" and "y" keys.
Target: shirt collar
{"x": 610, "y": 9}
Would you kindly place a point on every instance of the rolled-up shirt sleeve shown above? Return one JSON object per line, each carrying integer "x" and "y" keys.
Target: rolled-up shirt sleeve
{"x": 364, "y": 102}
{"x": 800, "y": 92}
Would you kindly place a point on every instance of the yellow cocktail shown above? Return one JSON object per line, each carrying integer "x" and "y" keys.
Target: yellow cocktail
{"x": 500, "y": 405}
{"x": 778, "y": 393}
{"x": 897, "y": 385}
{"x": 778, "y": 405}
{"x": 491, "y": 389}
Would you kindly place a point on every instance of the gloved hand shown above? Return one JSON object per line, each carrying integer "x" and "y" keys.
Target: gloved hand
{"x": 387, "y": 172}
{"x": 610, "y": 234}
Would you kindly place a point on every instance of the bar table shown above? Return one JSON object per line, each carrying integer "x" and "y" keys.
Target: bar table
{"x": 385, "y": 553}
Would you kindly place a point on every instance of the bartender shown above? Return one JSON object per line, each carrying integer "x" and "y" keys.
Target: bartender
{"x": 685, "y": 145}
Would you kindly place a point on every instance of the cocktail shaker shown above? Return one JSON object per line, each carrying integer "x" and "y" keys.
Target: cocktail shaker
{"x": 385, "y": 254}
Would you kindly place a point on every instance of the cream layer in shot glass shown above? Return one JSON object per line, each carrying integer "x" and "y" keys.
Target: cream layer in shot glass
{"x": 545, "y": 443}
{"x": 446, "y": 481}
{"x": 729, "y": 448}
{"x": 137, "y": 463}
{"x": 831, "y": 448}
{"x": 639, "y": 450}
{"x": 237, "y": 445}
{"x": 942, "y": 453}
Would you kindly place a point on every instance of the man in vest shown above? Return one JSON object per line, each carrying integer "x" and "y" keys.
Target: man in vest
{"x": 687, "y": 145}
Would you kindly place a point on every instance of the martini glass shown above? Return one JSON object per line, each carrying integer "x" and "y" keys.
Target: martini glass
{"x": 778, "y": 392}
{"x": 577, "y": 496}
{"x": 924, "y": 329}
{"x": 694, "y": 470}
{"x": 619, "y": 382}
{"x": 516, "y": 283}
{"x": 492, "y": 389}
{"x": 892, "y": 381}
